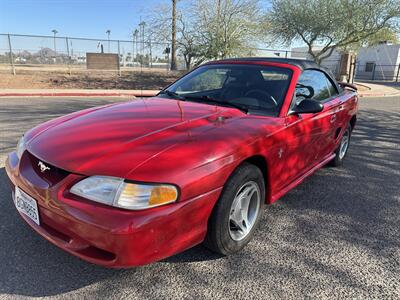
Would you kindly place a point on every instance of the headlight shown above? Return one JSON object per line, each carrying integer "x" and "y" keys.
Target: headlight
{"x": 116, "y": 192}
{"x": 20, "y": 147}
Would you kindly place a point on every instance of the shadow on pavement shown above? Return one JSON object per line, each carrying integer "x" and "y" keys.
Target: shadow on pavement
{"x": 32, "y": 266}
{"x": 338, "y": 231}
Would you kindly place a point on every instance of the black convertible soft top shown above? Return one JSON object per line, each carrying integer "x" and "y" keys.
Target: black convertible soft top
{"x": 301, "y": 63}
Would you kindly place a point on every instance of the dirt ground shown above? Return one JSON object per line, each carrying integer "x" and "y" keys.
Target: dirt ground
{"x": 146, "y": 79}
{"x": 57, "y": 77}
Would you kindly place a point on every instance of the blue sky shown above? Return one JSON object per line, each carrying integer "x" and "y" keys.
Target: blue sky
{"x": 76, "y": 18}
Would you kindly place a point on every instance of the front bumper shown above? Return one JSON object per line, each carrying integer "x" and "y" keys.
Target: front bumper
{"x": 110, "y": 236}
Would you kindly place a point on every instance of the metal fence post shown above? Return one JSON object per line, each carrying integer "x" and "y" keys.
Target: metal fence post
{"x": 119, "y": 57}
{"x": 398, "y": 73}
{"x": 150, "y": 56}
{"x": 354, "y": 70}
{"x": 373, "y": 72}
{"x": 68, "y": 58}
{"x": 168, "y": 60}
{"x": 11, "y": 55}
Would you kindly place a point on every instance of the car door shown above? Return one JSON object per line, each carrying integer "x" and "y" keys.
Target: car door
{"x": 306, "y": 134}
{"x": 328, "y": 119}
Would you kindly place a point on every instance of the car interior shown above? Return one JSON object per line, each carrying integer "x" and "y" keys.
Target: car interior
{"x": 254, "y": 87}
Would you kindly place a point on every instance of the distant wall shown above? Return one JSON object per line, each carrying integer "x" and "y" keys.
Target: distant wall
{"x": 386, "y": 59}
{"x": 102, "y": 61}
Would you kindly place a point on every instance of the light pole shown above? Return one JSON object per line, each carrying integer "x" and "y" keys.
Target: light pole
{"x": 54, "y": 32}
{"x": 108, "y": 35}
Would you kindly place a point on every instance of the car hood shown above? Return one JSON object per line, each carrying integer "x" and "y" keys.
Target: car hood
{"x": 114, "y": 139}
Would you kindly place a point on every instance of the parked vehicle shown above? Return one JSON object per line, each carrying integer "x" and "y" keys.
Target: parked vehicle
{"x": 132, "y": 183}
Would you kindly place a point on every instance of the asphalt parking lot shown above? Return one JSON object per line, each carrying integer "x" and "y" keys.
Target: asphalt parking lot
{"x": 337, "y": 235}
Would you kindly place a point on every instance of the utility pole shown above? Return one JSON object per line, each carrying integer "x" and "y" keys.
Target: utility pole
{"x": 54, "y": 33}
{"x": 219, "y": 42}
{"x": 173, "y": 37}
{"x": 108, "y": 37}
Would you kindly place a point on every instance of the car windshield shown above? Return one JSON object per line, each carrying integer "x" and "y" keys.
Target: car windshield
{"x": 251, "y": 88}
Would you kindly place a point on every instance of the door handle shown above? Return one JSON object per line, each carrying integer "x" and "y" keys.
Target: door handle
{"x": 333, "y": 118}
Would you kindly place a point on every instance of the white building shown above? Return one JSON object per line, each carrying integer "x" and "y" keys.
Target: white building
{"x": 380, "y": 62}
{"x": 332, "y": 63}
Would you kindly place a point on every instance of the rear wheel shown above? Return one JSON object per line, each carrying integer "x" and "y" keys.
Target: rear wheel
{"x": 237, "y": 212}
{"x": 341, "y": 151}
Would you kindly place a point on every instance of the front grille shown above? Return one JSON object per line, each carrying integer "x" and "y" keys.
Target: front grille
{"x": 52, "y": 175}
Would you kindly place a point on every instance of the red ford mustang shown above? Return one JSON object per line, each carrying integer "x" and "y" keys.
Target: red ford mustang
{"x": 131, "y": 183}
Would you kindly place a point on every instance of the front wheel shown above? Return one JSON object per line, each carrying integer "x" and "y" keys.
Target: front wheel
{"x": 237, "y": 212}
{"x": 341, "y": 151}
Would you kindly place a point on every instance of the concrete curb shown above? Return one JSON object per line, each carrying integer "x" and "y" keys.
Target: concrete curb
{"x": 363, "y": 85}
{"x": 144, "y": 93}
{"x": 378, "y": 95}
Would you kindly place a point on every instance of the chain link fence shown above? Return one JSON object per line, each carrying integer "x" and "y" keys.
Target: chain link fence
{"x": 68, "y": 55}
{"x": 371, "y": 71}
{"x": 53, "y": 53}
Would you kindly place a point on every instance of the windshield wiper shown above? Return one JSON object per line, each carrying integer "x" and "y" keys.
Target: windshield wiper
{"x": 173, "y": 95}
{"x": 217, "y": 102}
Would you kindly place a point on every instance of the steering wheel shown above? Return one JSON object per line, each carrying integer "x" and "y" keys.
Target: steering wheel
{"x": 256, "y": 93}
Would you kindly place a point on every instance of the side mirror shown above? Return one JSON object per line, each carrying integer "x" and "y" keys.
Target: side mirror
{"x": 307, "y": 106}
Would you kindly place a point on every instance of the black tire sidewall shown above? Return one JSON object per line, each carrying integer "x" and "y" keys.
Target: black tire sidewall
{"x": 219, "y": 226}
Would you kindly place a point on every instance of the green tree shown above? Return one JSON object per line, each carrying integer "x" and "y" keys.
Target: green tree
{"x": 385, "y": 34}
{"x": 331, "y": 23}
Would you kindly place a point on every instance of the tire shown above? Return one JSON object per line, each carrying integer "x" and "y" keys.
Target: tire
{"x": 225, "y": 234}
{"x": 341, "y": 153}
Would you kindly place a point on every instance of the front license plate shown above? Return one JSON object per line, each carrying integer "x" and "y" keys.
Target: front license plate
{"x": 26, "y": 205}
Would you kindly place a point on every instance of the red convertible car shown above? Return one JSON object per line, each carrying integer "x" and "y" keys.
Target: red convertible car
{"x": 131, "y": 183}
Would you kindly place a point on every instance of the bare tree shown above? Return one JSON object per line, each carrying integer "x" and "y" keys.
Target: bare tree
{"x": 189, "y": 44}
{"x": 187, "y": 38}
{"x": 331, "y": 23}
{"x": 210, "y": 29}
{"x": 228, "y": 27}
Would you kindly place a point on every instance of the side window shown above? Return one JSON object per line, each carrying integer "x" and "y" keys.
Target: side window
{"x": 313, "y": 83}
{"x": 331, "y": 87}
